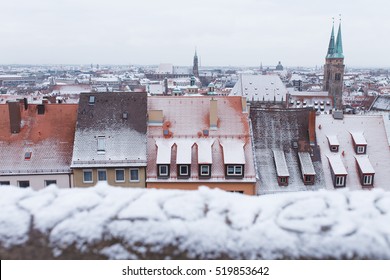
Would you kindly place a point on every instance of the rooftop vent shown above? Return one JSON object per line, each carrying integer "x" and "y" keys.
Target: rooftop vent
{"x": 338, "y": 115}
{"x": 125, "y": 116}
{"x": 27, "y": 155}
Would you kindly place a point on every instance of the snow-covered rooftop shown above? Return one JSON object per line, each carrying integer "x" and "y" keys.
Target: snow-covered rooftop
{"x": 377, "y": 149}
{"x": 306, "y": 163}
{"x": 280, "y": 163}
{"x": 364, "y": 164}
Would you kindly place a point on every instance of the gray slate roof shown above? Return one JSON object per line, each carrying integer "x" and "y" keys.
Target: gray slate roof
{"x": 125, "y": 138}
{"x": 278, "y": 129}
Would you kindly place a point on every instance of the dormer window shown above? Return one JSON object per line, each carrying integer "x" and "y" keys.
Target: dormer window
{"x": 361, "y": 149}
{"x": 163, "y": 171}
{"x": 101, "y": 145}
{"x": 184, "y": 171}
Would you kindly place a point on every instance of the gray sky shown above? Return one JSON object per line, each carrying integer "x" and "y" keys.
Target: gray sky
{"x": 237, "y": 33}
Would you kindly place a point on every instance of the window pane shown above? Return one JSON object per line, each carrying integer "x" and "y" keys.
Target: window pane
{"x": 238, "y": 170}
{"x": 183, "y": 170}
{"x": 119, "y": 175}
{"x": 204, "y": 170}
{"x": 23, "y": 184}
{"x": 102, "y": 175}
{"x": 101, "y": 144}
{"x": 50, "y": 182}
{"x": 87, "y": 176}
{"x": 230, "y": 169}
{"x": 163, "y": 170}
{"x": 4, "y": 183}
{"x": 134, "y": 175}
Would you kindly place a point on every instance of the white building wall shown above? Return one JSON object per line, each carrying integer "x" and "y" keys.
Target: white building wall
{"x": 37, "y": 181}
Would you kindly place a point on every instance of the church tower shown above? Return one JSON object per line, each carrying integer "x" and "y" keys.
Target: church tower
{"x": 334, "y": 70}
{"x": 195, "y": 69}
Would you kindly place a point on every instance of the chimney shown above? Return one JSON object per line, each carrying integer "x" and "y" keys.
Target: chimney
{"x": 25, "y": 102}
{"x": 213, "y": 114}
{"x": 312, "y": 127}
{"x": 15, "y": 116}
{"x": 244, "y": 105}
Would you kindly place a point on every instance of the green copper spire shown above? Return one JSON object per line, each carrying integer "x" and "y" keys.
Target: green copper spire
{"x": 339, "y": 44}
{"x": 331, "y": 49}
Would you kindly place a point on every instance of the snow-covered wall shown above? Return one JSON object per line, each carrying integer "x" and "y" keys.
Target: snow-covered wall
{"x": 118, "y": 223}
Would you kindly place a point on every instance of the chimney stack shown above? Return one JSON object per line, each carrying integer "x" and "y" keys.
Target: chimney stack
{"x": 15, "y": 116}
{"x": 213, "y": 114}
{"x": 312, "y": 127}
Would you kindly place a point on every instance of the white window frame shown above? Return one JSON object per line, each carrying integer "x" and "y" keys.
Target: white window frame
{"x": 184, "y": 173}
{"x": 159, "y": 170}
{"x": 134, "y": 169}
{"x": 367, "y": 180}
{"x": 205, "y": 173}
{"x": 87, "y": 170}
{"x": 237, "y": 170}
{"x": 116, "y": 177}
{"x": 340, "y": 181}
{"x": 361, "y": 149}
{"x": 334, "y": 148}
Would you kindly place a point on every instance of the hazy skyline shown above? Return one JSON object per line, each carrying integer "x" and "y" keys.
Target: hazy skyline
{"x": 235, "y": 33}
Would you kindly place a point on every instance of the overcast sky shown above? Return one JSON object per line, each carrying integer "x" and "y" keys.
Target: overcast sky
{"x": 236, "y": 33}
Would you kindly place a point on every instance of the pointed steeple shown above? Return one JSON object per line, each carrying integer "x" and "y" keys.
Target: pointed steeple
{"x": 331, "y": 49}
{"x": 339, "y": 44}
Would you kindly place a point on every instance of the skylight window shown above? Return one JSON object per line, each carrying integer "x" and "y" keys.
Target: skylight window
{"x": 101, "y": 144}
{"x": 27, "y": 155}
{"x": 91, "y": 100}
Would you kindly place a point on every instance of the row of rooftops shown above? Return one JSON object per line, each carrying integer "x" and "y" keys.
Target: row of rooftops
{"x": 131, "y": 129}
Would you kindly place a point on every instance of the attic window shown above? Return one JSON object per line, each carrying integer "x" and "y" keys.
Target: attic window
{"x": 91, "y": 100}
{"x": 27, "y": 155}
{"x": 101, "y": 145}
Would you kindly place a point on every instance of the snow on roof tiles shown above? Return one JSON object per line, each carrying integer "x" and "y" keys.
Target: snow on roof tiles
{"x": 233, "y": 151}
{"x": 280, "y": 129}
{"x": 125, "y": 137}
{"x": 333, "y": 141}
{"x": 377, "y": 147}
{"x": 204, "y": 151}
{"x": 188, "y": 117}
{"x": 49, "y": 137}
{"x": 260, "y": 88}
{"x": 306, "y": 163}
{"x": 183, "y": 155}
{"x": 337, "y": 165}
{"x": 280, "y": 163}
{"x": 364, "y": 164}
{"x": 163, "y": 151}
{"x": 358, "y": 138}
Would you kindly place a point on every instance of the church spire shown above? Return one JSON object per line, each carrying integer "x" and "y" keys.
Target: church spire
{"x": 339, "y": 44}
{"x": 331, "y": 49}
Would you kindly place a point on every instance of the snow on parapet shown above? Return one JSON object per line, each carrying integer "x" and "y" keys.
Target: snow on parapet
{"x": 119, "y": 223}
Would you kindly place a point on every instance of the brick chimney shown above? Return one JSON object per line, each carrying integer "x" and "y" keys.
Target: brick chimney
{"x": 213, "y": 114}
{"x": 312, "y": 127}
{"x": 15, "y": 116}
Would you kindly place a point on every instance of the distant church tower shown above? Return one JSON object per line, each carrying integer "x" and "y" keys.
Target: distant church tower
{"x": 334, "y": 69}
{"x": 195, "y": 68}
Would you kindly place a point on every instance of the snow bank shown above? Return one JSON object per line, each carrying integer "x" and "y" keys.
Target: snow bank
{"x": 118, "y": 223}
